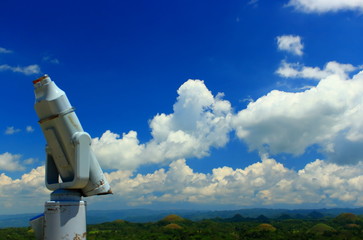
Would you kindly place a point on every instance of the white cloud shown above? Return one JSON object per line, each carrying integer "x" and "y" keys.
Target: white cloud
{"x": 327, "y": 115}
{"x": 11, "y": 130}
{"x": 4, "y": 50}
{"x": 199, "y": 121}
{"x": 29, "y": 161}
{"x": 116, "y": 153}
{"x": 289, "y": 122}
{"x": 291, "y": 44}
{"x": 264, "y": 183}
{"x": 10, "y": 162}
{"x": 24, "y": 195}
{"x": 29, "y": 129}
{"x": 322, "y": 6}
{"x": 27, "y": 70}
{"x": 296, "y": 70}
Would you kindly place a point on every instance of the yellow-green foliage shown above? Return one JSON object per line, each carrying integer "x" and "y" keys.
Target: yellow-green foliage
{"x": 347, "y": 218}
{"x": 265, "y": 227}
{"x": 173, "y": 218}
{"x": 352, "y": 225}
{"x": 320, "y": 229}
{"x": 119, "y": 221}
{"x": 173, "y": 226}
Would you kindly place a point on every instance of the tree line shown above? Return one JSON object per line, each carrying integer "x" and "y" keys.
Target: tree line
{"x": 173, "y": 227}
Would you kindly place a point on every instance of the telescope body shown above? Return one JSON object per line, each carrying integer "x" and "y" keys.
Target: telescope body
{"x": 70, "y": 163}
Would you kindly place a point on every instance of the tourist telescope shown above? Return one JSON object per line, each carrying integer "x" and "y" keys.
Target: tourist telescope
{"x": 71, "y": 169}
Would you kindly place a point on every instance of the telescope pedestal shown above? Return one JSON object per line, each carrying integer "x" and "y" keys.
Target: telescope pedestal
{"x": 65, "y": 216}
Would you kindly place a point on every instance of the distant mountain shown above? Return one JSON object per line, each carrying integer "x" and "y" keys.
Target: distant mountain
{"x": 18, "y": 220}
{"x": 147, "y": 215}
{"x": 276, "y": 213}
{"x": 133, "y": 215}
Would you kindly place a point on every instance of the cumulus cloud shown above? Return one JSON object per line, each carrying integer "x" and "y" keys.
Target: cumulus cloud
{"x": 25, "y": 194}
{"x": 327, "y": 115}
{"x": 199, "y": 122}
{"x": 10, "y": 162}
{"x": 27, "y": 70}
{"x": 297, "y": 70}
{"x": 291, "y": 44}
{"x": 11, "y": 130}
{"x": 263, "y": 183}
{"x": 323, "y": 6}
{"x": 290, "y": 122}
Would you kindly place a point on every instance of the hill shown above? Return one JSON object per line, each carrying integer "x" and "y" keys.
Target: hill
{"x": 175, "y": 227}
{"x": 147, "y": 215}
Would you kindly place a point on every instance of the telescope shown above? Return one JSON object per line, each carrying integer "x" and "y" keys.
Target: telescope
{"x": 71, "y": 170}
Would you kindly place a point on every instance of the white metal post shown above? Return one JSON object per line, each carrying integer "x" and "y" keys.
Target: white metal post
{"x": 65, "y": 216}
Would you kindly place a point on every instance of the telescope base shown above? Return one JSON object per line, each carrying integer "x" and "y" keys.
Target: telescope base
{"x": 65, "y": 220}
{"x": 64, "y": 217}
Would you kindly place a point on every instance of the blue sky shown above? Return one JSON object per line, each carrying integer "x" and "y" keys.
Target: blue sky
{"x": 191, "y": 104}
